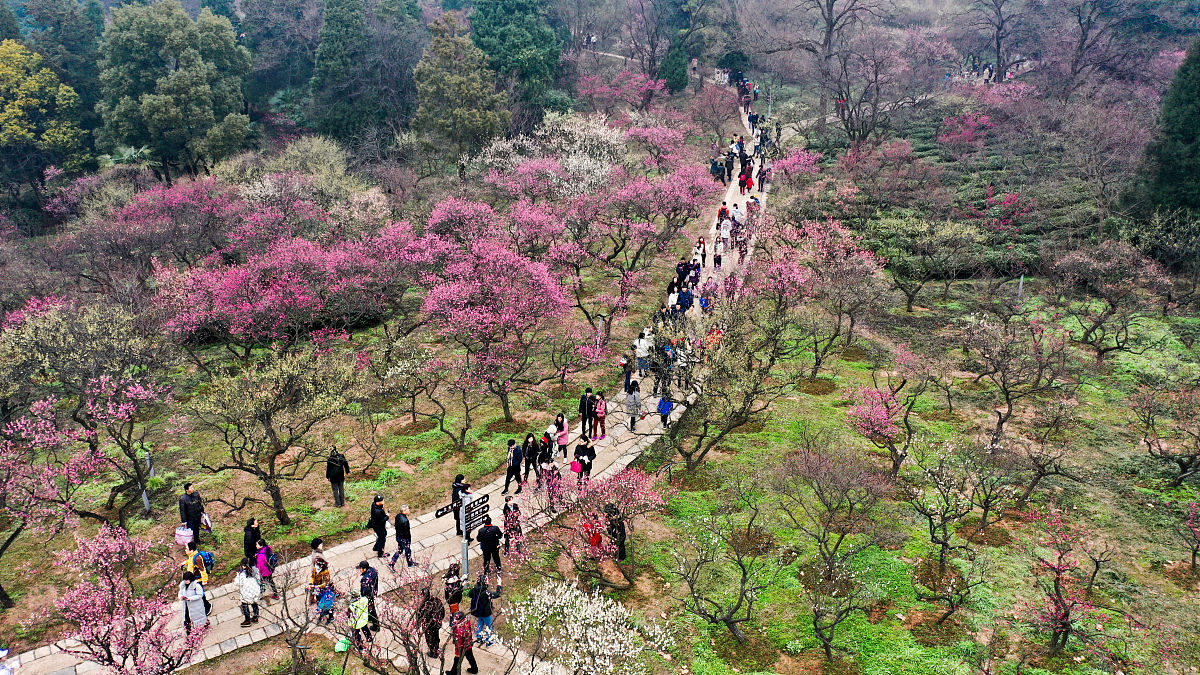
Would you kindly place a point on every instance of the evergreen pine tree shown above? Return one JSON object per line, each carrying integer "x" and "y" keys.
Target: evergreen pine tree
{"x": 342, "y": 38}
{"x": 456, "y": 93}
{"x": 674, "y": 70}
{"x": 1174, "y": 156}
{"x": 65, "y": 32}
{"x": 9, "y": 28}
{"x": 519, "y": 43}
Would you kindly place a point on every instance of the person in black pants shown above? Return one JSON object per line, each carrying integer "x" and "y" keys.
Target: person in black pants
{"x": 336, "y": 468}
{"x": 489, "y": 537}
{"x": 587, "y": 410}
{"x": 191, "y": 510}
{"x": 429, "y": 617}
{"x": 378, "y": 523}
{"x": 515, "y": 456}
{"x": 403, "y": 538}
{"x": 368, "y": 586}
{"x": 457, "y": 489}
{"x": 250, "y": 536}
{"x": 530, "y": 449}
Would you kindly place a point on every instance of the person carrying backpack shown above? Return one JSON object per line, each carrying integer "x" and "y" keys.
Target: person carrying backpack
{"x": 198, "y": 562}
{"x": 266, "y": 560}
{"x": 664, "y": 409}
{"x": 249, "y": 591}
{"x": 336, "y": 468}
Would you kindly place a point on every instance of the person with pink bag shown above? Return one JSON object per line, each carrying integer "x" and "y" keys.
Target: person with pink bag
{"x": 585, "y": 453}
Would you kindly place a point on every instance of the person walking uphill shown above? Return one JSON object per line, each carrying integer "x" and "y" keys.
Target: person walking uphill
{"x": 368, "y": 587}
{"x": 601, "y": 414}
{"x": 266, "y": 560}
{"x": 336, "y": 468}
{"x": 403, "y": 538}
{"x": 191, "y": 592}
{"x": 516, "y": 455}
{"x": 378, "y": 523}
{"x": 481, "y": 609}
{"x": 250, "y": 536}
{"x": 249, "y": 591}
{"x": 191, "y": 510}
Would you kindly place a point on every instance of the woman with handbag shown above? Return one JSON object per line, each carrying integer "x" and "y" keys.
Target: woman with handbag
{"x": 585, "y": 453}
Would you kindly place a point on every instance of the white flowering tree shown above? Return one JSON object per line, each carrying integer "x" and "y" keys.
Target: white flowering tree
{"x": 584, "y": 633}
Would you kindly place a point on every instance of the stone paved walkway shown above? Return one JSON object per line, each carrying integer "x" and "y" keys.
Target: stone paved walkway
{"x": 434, "y": 540}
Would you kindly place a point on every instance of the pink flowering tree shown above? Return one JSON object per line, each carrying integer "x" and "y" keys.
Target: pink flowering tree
{"x": 589, "y": 524}
{"x": 115, "y": 619}
{"x": 713, "y": 108}
{"x": 42, "y": 470}
{"x": 627, "y": 89}
{"x": 797, "y": 164}
{"x": 883, "y": 413}
{"x": 504, "y": 312}
{"x": 892, "y": 175}
{"x": 1005, "y": 220}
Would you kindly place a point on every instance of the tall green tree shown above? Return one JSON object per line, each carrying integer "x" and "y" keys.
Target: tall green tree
{"x": 38, "y": 125}
{"x": 1174, "y": 156}
{"x": 67, "y": 34}
{"x": 9, "y": 28}
{"x": 283, "y": 36}
{"x": 674, "y": 70}
{"x": 173, "y": 85}
{"x": 456, "y": 92}
{"x": 519, "y": 43}
{"x": 343, "y": 37}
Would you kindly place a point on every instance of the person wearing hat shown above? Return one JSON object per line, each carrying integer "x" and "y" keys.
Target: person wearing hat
{"x": 378, "y": 522}
{"x": 359, "y": 612}
{"x": 460, "y": 631}
{"x": 368, "y": 587}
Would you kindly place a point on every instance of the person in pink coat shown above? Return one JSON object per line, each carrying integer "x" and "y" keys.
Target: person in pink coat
{"x": 564, "y": 433}
{"x": 601, "y": 412}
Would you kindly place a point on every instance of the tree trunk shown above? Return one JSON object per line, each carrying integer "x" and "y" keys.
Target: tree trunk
{"x": 506, "y": 405}
{"x": 736, "y": 629}
{"x": 277, "y": 505}
{"x": 7, "y": 603}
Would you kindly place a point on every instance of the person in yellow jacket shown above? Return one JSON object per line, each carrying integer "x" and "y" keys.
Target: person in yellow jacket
{"x": 359, "y": 613}
{"x": 195, "y": 564}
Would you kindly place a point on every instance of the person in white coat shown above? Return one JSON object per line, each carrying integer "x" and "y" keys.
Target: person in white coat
{"x": 191, "y": 592}
{"x": 249, "y": 590}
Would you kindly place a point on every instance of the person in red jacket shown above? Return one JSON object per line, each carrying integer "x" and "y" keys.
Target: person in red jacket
{"x": 464, "y": 640}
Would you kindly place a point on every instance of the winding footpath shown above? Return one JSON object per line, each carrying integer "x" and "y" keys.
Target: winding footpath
{"x": 434, "y": 541}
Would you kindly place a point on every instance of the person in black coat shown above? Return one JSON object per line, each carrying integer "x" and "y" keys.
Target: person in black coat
{"x": 513, "y": 465}
{"x": 336, "y": 468}
{"x": 250, "y": 537}
{"x": 429, "y": 619}
{"x": 489, "y": 537}
{"x": 585, "y": 454}
{"x": 457, "y": 489}
{"x": 531, "y": 448}
{"x": 587, "y": 410}
{"x": 403, "y": 538}
{"x": 191, "y": 510}
{"x": 378, "y": 523}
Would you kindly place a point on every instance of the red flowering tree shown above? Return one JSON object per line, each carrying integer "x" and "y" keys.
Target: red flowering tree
{"x": 796, "y": 164}
{"x": 114, "y": 619}
{"x": 1004, "y": 220}
{"x": 963, "y": 135}
{"x": 634, "y": 90}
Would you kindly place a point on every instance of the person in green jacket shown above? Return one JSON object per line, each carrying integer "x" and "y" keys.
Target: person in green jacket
{"x": 359, "y": 613}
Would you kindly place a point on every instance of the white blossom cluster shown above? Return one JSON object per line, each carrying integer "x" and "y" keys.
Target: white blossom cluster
{"x": 586, "y": 633}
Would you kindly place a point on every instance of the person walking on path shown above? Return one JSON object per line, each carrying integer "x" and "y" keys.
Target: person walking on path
{"x": 429, "y": 618}
{"x": 195, "y": 563}
{"x": 530, "y": 450}
{"x": 378, "y": 523}
{"x": 585, "y": 454}
{"x": 191, "y": 592}
{"x": 718, "y": 253}
{"x": 726, "y": 229}
{"x": 481, "y": 609}
{"x": 368, "y": 587}
{"x": 453, "y": 586}
{"x": 457, "y": 489}
{"x": 336, "y": 468}
{"x": 564, "y": 434}
{"x": 249, "y": 591}
{"x": 546, "y": 452}
{"x": 641, "y": 349}
{"x": 359, "y": 617}
{"x": 512, "y": 525}
{"x": 265, "y": 560}
{"x": 403, "y": 539}
{"x": 587, "y": 411}
{"x": 460, "y": 630}
{"x": 664, "y": 409}
{"x": 601, "y": 414}
{"x": 626, "y": 362}
{"x": 515, "y": 457}
{"x": 191, "y": 510}
{"x": 633, "y": 404}
{"x": 250, "y": 536}
{"x": 489, "y": 537}
{"x": 700, "y": 251}
{"x": 319, "y": 577}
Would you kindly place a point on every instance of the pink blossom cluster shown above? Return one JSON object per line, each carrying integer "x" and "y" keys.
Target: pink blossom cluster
{"x": 875, "y": 414}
